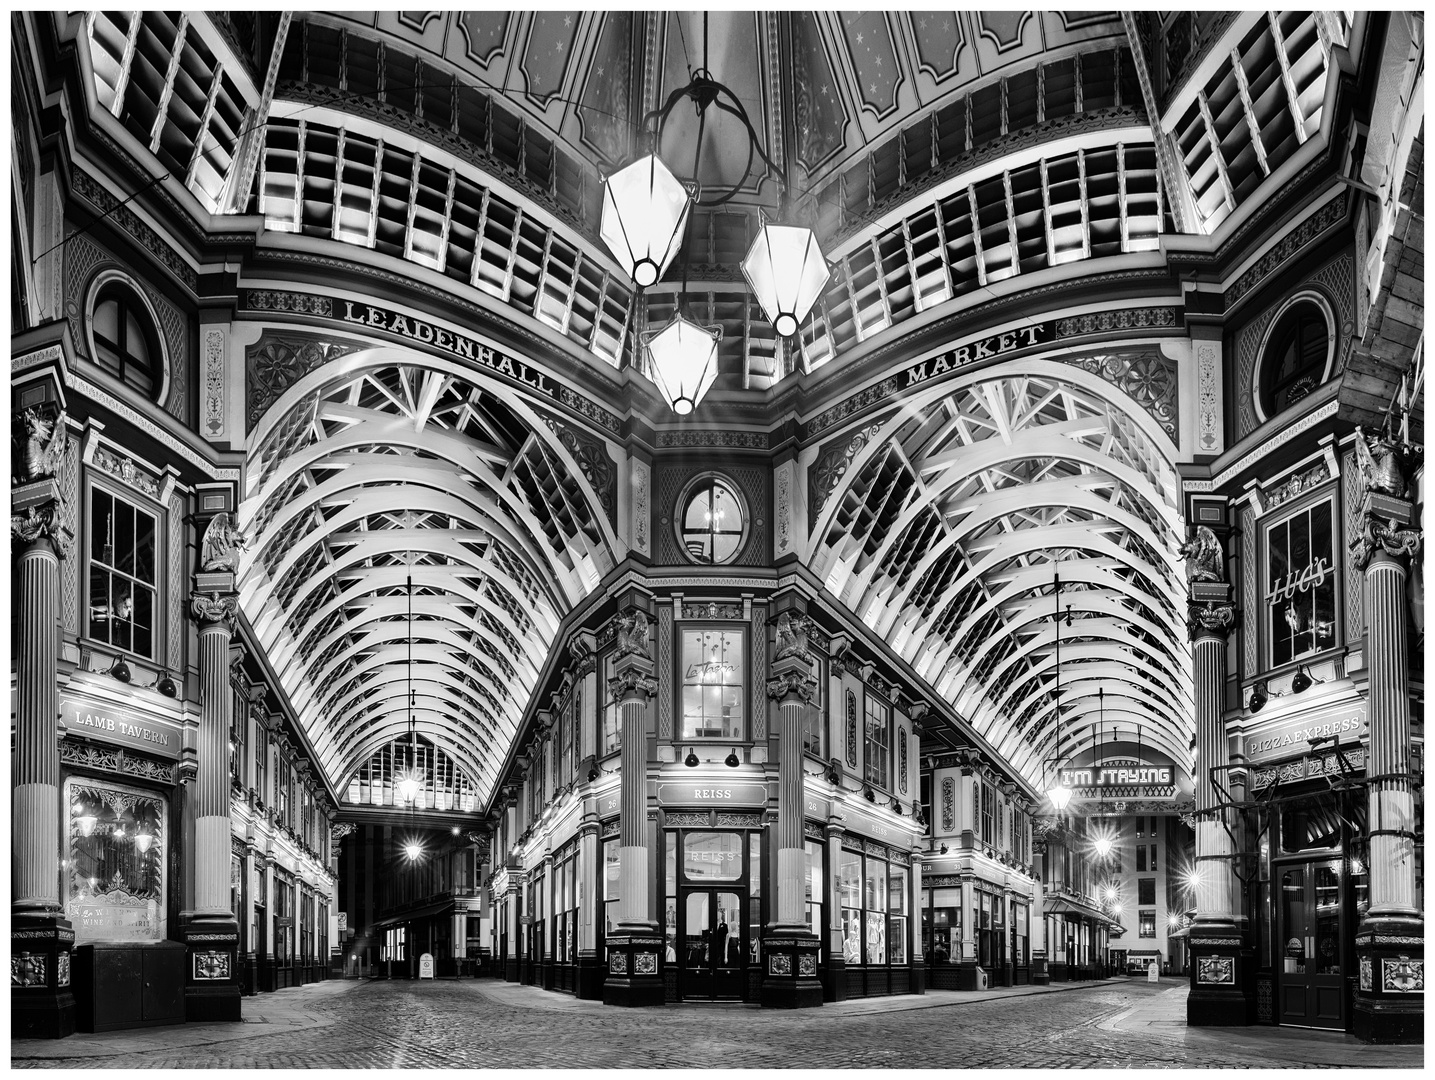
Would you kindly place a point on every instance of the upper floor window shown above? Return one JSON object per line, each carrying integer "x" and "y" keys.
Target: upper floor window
{"x": 1295, "y": 358}
{"x": 714, "y": 668}
{"x": 126, "y": 342}
{"x": 612, "y": 711}
{"x": 877, "y": 748}
{"x": 123, "y": 579}
{"x": 712, "y": 522}
{"x": 1300, "y": 583}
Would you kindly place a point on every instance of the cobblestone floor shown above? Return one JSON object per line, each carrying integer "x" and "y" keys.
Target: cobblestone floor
{"x": 478, "y": 1024}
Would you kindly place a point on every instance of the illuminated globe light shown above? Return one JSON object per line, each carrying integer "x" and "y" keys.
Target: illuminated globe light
{"x": 786, "y": 271}
{"x": 683, "y": 361}
{"x": 1060, "y": 795}
{"x": 645, "y": 212}
{"x": 1111, "y": 895}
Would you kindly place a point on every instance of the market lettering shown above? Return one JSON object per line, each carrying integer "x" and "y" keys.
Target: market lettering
{"x": 984, "y": 349}
{"x": 1312, "y": 577}
{"x": 455, "y": 344}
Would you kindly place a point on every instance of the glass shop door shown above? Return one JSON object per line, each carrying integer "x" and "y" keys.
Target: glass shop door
{"x": 1308, "y": 973}
{"x": 713, "y": 934}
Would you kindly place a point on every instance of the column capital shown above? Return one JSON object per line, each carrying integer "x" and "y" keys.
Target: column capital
{"x": 792, "y": 685}
{"x": 37, "y": 515}
{"x": 215, "y": 609}
{"x": 1380, "y": 529}
{"x": 633, "y": 679}
{"x": 1210, "y": 618}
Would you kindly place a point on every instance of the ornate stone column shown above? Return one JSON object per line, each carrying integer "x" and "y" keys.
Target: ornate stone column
{"x": 634, "y": 949}
{"x": 790, "y": 977}
{"x": 1390, "y": 940}
{"x": 1221, "y": 954}
{"x": 42, "y": 1004}
{"x": 209, "y": 930}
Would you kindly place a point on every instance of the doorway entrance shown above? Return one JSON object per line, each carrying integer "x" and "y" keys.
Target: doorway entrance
{"x": 1309, "y": 975}
{"x": 714, "y": 935}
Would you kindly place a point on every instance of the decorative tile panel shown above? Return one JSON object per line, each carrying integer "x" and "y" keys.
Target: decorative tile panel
{"x": 779, "y": 964}
{"x": 27, "y": 969}
{"x": 645, "y": 963}
{"x": 806, "y": 964}
{"x": 851, "y": 730}
{"x": 760, "y": 703}
{"x": 664, "y": 672}
{"x": 1367, "y": 974}
{"x": 618, "y": 963}
{"x": 1352, "y": 483}
{"x": 62, "y": 969}
{"x": 949, "y": 804}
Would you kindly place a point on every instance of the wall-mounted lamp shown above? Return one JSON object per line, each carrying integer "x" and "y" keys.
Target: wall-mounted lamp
{"x": 896, "y": 806}
{"x": 868, "y": 793}
{"x": 1302, "y": 680}
{"x": 166, "y": 685}
{"x": 120, "y": 670}
{"x": 731, "y": 760}
{"x": 691, "y": 761}
{"x": 1258, "y": 697}
{"x": 945, "y": 849}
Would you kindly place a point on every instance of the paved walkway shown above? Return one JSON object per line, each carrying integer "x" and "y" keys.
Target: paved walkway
{"x": 1118, "y": 1023}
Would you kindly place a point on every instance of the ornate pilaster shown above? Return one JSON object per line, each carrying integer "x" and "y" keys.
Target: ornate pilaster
{"x": 1390, "y": 940}
{"x": 209, "y": 930}
{"x": 1221, "y": 956}
{"x": 789, "y": 945}
{"x": 41, "y": 938}
{"x": 636, "y": 947}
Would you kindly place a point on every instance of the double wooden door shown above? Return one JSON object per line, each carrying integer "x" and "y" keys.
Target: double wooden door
{"x": 1309, "y": 974}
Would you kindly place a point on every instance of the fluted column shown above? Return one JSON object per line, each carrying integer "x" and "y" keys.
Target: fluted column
{"x": 790, "y": 946}
{"x": 42, "y": 1004}
{"x": 634, "y": 950}
{"x": 215, "y": 615}
{"x": 1222, "y": 958}
{"x": 1390, "y": 940}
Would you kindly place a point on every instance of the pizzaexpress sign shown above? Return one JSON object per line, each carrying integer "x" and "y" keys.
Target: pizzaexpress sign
{"x": 1292, "y": 735}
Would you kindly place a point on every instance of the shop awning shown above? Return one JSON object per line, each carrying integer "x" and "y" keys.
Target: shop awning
{"x": 424, "y": 911}
{"x": 1064, "y": 905}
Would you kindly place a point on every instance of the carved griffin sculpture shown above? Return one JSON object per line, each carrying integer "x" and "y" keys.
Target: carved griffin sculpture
{"x": 44, "y": 444}
{"x": 1384, "y": 464}
{"x": 1204, "y": 559}
{"x": 221, "y": 545}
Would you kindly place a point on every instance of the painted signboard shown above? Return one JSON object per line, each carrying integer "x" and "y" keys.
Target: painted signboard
{"x": 1292, "y": 735}
{"x": 710, "y": 793}
{"x": 122, "y": 726}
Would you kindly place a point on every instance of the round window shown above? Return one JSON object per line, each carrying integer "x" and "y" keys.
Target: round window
{"x": 712, "y": 523}
{"x": 1296, "y": 356}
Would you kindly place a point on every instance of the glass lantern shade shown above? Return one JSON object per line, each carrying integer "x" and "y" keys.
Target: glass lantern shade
{"x": 408, "y": 787}
{"x": 786, "y": 271}
{"x": 683, "y": 362}
{"x": 1060, "y": 795}
{"x": 645, "y": 213}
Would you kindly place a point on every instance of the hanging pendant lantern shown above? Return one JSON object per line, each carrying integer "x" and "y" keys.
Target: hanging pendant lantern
{"x": 683, "y": 361}
{"x": 645, "y": 213}
{"x": 786, "y": 270}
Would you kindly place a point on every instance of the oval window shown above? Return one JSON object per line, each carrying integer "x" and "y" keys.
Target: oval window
{"x": 125, "y": 342}
{"x": 712, "y": 524}
{"x": 1296, "y": 356}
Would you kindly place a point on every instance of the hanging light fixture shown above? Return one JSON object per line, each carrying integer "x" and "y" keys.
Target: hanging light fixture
{"x": 1058, "y": 793}
{"x": 683, "y": 361}
{"x": 409, "y": 783}
{"x": 143, "y": 840}
{"x": 645, "y": 214}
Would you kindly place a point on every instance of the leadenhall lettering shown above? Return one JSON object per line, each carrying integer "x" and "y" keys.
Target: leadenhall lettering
{"x": 456, "y": 344}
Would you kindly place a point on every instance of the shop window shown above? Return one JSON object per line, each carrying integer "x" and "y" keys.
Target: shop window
{"x": 849, "y": 893}
{"x": 873, "y": 895}
{"x": 124, "y": 338}
{"x": 123, "y": 582}
{"x": 612, "y": 889}
{"x": 712, "y": 522}
{"x": 1300, "y": 584}
{"x": 897, "y": 914}
{"x": 1021, "y": 947}
{"x": 942, "y": 932}
{"x": 1296, "y": 355}
{"x": 814, "y": 719}
{"x": 1147, "y": 924}
{"x": 988, "y": 799}
{"x": 714, "y": 666}
{"x": 1146, "y": 890}
{"x": 814, "y": 893}
{"x": 877, "y": 741}
{"x": 115, "y": 869}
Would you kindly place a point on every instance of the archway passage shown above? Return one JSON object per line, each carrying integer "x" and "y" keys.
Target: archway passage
{"x": 949, "y": 528}
{"x": 416, "y": 538}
